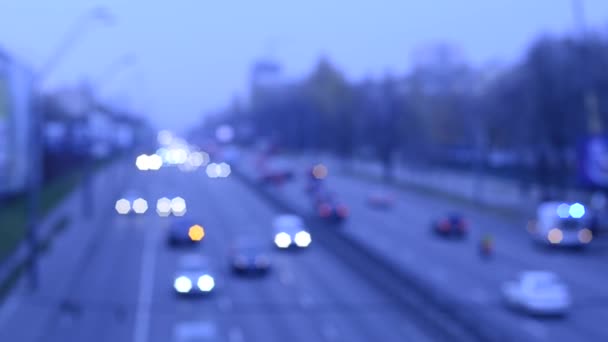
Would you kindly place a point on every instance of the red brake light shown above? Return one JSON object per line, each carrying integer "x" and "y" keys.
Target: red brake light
{"x": 444, "y": 225}
{"x": 343, "y": 211}
{"x": 324, "y": 210}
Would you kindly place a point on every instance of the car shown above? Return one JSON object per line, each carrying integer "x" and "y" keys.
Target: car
{"x": 249, "y": 255}
{"x": 290, "y": 232}
{"x": 194, "y": 276}
{"x": 276, "y": 176}
{"x": 329, "y": 208}
{"x": 537, "y": 293}
{"x": 561, "y": 225}
{"x": 179, "y": 233}
{"x": 381, "y": 199}
{"x": 452, "y": 225}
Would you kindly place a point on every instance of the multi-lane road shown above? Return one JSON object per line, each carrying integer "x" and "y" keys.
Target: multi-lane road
{"x": 454, "y": 269}
{"x": 110, "y": 278}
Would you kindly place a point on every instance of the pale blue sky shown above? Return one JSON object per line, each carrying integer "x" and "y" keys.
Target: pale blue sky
{"x": 193, "y": 55}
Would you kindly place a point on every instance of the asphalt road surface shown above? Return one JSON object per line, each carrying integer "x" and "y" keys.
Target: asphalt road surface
{"x": 402, "y": 234}
{"x": 110, "y": 278}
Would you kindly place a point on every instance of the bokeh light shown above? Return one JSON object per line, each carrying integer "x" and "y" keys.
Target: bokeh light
{"x": 178, "y": 206}
{"x": 182, "y": 284}
{"x": 282, "y": 240}
{"x": 555, "y": 236}
{"x": 224, "y": 133}
{"x": 164, "y": 137}
{"x": 140, "y": 206}
{"x": 213, "y": 170}
{"x": 205, "y": 283}
{"x": 196, "y": 233}
{"x": 225, "y": 170}
{"x": 198, "y": 159}
{"x": 302, "y": 239}
{"x": 163, "y": 207}
{"x": 123, "y": 206}
{"x": 585, "y": 235}
{"x": 155, "y": 162}
{"x": 319, "y": 171}
{"x": 142, "y": 162}
{"x": 577, "y": 210}
{"x": 563, "y": 210}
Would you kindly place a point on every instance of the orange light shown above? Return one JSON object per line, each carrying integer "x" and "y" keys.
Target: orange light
{"x": 555, "y": 236}
{"x": 196, "y": 233}
{"x": 319, "y": 171}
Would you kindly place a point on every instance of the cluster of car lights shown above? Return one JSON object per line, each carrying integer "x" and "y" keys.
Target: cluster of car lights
{"x": 164, "y": 206}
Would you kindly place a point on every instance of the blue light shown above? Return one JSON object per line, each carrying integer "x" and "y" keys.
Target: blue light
{"x": 563, "y": 210}
{"x": 577, "y": 210}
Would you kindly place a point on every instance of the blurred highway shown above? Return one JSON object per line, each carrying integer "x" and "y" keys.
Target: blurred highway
{"x": 110, "y": 279}
{"x": 453, "y": 268}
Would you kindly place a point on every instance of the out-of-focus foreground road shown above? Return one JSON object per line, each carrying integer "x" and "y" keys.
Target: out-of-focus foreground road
{"x": 110, "y": 278}
{"x": 454, "y": 269}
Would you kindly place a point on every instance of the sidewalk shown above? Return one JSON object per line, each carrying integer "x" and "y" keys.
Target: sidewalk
{"x": 69, "y": 211}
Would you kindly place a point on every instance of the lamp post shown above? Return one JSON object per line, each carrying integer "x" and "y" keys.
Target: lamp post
{"x": 36, "y": 140}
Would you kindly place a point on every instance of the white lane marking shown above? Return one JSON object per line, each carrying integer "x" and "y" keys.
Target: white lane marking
{"x": 146, "y": 286}
{"x": 195, "y": 331}
{"x": 235, "y": 334}
{"x": 224, "y": 304}
{"x": 535, "y": 329}
{"x": 330, "y": 332}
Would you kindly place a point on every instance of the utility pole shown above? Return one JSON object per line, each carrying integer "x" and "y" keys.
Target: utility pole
{"x": 36, "y": 138}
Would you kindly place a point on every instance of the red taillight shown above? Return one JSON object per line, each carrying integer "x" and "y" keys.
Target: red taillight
{"x": 342, "y": 211}
{"x": 444, "y": 225}
{"x": 324, "y": 210}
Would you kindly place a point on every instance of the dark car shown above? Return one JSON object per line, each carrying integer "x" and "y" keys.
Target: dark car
{"x": 179, "y": 233}
{"x": 250, "y": 256}
{"x": 329, "y": 208}
{"x": 453, "y": 225}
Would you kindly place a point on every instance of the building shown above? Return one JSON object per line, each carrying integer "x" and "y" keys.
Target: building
{"x": 16, "y": 90}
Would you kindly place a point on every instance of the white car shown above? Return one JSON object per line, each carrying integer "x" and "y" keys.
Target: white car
{"x": 561, "y": 224}
{"x": 538, "y": 293}
{"x": 290, "y": 231}
{"x": 193, "y": 276}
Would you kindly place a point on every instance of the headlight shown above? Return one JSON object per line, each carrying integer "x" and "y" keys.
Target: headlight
{"x": 206, "y": 283}
{"x": 282, "y": 240}
{"x": 302, "y": 239}
{"x": 182, "y": 284}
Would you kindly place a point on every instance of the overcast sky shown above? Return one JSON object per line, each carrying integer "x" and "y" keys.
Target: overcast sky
{"x": 194, "y": 55}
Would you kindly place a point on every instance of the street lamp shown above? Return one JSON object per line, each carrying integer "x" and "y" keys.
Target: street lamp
{"x": 36, "y": 139}
{"x": 115, "y": 68}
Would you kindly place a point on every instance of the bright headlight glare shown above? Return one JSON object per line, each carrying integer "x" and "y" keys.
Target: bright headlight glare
{"x": 205, "y": 283}
{"x": 182, "y": 284}
{"x": 282, "y": 240}
{"x": 302, "y": 239}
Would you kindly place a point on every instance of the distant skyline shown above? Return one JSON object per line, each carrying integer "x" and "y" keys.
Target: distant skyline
{"x": 192, "y": 56}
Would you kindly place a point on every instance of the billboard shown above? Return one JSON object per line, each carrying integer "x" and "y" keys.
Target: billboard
{"x": 15, "y": 106}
